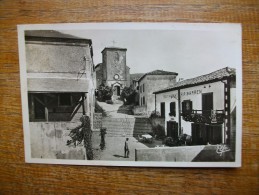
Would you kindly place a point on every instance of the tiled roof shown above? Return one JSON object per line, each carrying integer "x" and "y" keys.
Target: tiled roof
{"x": 52, "y": 34}
{"x": 216, "y": 75}
{"x": 136, "y": 76}
{"x": 158, "y": 72}
{"x": 48, "y": 33}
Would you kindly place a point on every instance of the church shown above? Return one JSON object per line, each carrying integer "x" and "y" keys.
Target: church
{"x": 113, "y": 71}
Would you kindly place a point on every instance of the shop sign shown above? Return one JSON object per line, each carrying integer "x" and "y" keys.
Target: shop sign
{"x": 193, "y": 92}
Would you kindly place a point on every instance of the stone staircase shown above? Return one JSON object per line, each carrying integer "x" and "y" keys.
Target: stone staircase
{"x": 119, "y": 127}
{"x": 126, "y": 127}
{"x": 142, "y": 126}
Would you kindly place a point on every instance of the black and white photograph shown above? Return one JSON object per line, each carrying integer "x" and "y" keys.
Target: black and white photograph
{"x": 132, "y": 94}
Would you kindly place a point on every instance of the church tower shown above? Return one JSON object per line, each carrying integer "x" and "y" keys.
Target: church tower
{"x": 115, "y": 72}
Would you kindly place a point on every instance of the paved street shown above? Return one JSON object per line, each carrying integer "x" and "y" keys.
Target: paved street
{"x": 115, "y": 149}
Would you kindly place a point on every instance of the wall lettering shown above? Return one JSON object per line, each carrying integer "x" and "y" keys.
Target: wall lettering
{"x": 175, "y": 96}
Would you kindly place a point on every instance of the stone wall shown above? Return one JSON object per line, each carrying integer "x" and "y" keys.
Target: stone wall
{"x": 57, "y": 57}
{"x": 173, "y": 154}
{"x": 139, "y": 110}
{"x": 49, "y": 139}
{"x": 202, "y": 153}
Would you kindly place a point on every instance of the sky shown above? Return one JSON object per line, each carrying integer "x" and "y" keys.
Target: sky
{"x": 190, "y": 53}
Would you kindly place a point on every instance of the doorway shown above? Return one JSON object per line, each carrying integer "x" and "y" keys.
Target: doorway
{"x": 117, "y": 90}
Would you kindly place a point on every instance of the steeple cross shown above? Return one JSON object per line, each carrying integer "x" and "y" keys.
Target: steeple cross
{"x": 114, "y": 42}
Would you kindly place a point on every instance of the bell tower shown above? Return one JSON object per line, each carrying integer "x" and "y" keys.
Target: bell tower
{"x": 115, "y": 70}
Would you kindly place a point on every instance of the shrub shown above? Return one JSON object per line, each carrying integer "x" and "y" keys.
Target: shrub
{"x": 129, "y": 95}
{"x": 155, "y": 114}
{"x": 158, "y": 131}
{"x": 104, "y": 93}
{"x": 169, "y": 141}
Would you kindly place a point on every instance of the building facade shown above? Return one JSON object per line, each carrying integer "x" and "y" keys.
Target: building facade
{"x": 113, "y": 71}
{"x": 61, "y": 79}
{"x": 151, "y": 82}
{"x": 203, "y": 107}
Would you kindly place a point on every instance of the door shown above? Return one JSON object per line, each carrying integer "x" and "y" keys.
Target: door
{"x": 207, "y": 103}
{"x": 117, "y": 88}
{"x": 199, "y": 134}
{"x": 172, "y": 129}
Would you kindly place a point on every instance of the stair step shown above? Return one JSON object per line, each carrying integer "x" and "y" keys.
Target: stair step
{"x": 117, "y": 127}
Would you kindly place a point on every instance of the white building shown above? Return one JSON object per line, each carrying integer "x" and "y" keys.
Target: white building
{"x": 203, "y": 107}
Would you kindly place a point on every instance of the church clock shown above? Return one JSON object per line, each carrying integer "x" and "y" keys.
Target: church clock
{"x": 116, "y": 76}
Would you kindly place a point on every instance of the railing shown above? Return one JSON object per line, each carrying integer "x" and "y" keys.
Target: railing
{"x": 204, "y": 116}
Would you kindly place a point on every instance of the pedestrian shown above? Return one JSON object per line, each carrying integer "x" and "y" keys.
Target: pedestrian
{"x": 126, "y": 148}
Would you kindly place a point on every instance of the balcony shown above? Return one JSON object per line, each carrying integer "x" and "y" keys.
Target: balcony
{"x": 204, "y": 116}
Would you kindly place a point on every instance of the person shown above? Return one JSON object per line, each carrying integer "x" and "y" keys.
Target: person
{"x": 126, "y": 148}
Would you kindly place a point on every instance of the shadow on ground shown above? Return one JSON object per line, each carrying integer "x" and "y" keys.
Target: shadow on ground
{"x": 126, "y": 109}
{"x": 118, "y": 156}
{"x": 209, "y": 154}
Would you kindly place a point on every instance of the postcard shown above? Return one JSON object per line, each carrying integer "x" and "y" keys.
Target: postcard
{"x": 132, "y": 94}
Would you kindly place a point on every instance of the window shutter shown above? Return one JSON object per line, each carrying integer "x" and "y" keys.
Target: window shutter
{"x": 172, "y": 109}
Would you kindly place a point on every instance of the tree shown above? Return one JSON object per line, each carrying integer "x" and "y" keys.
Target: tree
{"x": 83, "y": 133}
{"x": 104, "y": 93}
{"x": 128, "y": 95}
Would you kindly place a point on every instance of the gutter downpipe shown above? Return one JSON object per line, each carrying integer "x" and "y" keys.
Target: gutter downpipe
{"x": 155, "y": 102}
{"x": 179, "y": 112}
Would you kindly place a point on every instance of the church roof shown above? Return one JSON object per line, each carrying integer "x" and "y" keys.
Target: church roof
{"x": 214, "y": 76}
{"x": 157, "y": 72}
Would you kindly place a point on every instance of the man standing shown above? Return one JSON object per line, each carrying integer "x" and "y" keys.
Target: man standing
{"x": 126, "y": 148}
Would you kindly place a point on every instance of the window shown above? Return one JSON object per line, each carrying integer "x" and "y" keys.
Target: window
{"x": 143, "y": 100}
{"x": 186, "y": 106}
{"x": 172, "y": 109}
{"x": 64, "y": 99}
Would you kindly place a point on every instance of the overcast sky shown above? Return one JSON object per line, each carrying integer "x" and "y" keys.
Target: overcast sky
{"x": 190, "y": 53}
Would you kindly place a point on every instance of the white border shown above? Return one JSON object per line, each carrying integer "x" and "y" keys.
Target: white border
{"x": 129, "y": 26}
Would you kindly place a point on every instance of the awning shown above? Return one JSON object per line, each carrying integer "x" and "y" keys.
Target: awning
{"x": 57, "y": 85}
